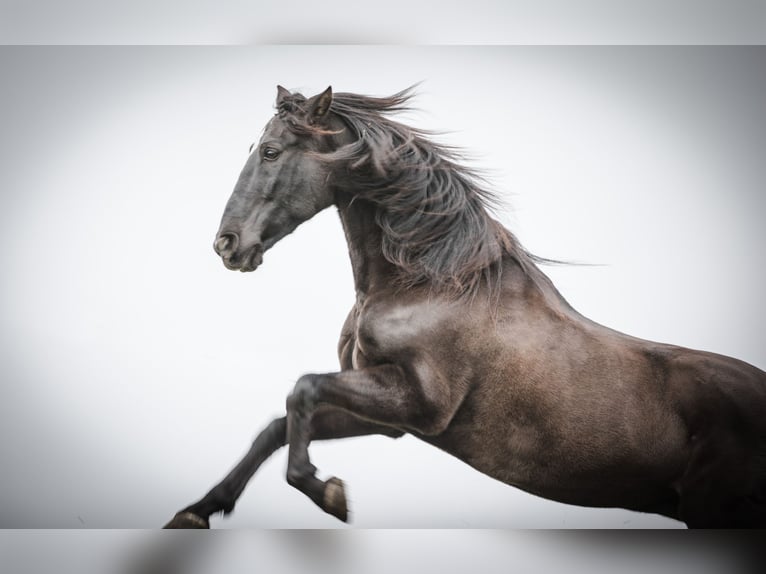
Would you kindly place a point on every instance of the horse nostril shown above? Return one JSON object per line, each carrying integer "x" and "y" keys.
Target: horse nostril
{"x": 226, "y": 243}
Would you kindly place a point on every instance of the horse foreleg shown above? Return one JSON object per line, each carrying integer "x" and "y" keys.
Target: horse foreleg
{"x": 222, "y": 496}
{"x": 327, "y": 424}
{"x": 382, "y": 394}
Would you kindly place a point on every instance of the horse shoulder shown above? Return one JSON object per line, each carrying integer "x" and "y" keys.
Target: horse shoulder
{"x": 418, "y": 335}
{"x": 388, "y": 328}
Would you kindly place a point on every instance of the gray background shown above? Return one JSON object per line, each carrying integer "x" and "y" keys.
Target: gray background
{"x": 135, "y": 369}
{"x": 563, "y": 22}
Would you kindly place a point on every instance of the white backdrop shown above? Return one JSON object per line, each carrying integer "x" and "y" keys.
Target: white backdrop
{"x": 135, "y": 369}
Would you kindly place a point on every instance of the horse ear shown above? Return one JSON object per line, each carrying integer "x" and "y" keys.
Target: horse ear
{"x": 319, "y": 105}
{"x": 282, "y": 93}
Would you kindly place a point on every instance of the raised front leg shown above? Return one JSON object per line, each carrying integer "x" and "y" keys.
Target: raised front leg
{"x": 384, "y": 395}
{"x": 327, "y": 424}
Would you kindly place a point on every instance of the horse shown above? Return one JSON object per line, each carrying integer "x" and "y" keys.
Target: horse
{"x": 458, "y": 338}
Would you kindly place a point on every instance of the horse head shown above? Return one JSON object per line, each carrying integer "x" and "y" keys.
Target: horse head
{"x": 284, "y": 181}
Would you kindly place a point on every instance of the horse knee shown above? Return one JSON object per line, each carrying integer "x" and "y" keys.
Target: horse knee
{"x": 295, "y": 477}
{"x": 299, "y": 473}
{"x": 303, "y": 395}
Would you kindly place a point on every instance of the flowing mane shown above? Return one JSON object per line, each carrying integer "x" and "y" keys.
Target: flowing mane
{"x": 433, "y": 210}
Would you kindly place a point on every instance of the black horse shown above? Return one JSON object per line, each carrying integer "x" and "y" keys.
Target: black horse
{"x": 458, "y": 338}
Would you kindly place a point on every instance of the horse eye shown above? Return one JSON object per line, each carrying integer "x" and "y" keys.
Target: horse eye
{"x": 270, "y": 153}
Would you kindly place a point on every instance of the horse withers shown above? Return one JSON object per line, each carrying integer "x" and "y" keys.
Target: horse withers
{"x": 458, "y": 338}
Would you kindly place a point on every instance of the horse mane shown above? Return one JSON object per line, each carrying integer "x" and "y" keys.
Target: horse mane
{"x": 434, "y": 212}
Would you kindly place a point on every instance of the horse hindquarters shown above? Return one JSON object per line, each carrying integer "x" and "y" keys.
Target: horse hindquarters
{"x": 723, "y": 402}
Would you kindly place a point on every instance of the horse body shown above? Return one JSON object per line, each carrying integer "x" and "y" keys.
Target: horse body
{"x": 473, "y": 349}
{"x": 538, "y": 397}
{"x": 543, "y": 399}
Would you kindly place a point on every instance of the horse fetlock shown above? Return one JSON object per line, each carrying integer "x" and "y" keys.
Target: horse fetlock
{"x": 224, "y": 500}
{"x": 334, "y": 501}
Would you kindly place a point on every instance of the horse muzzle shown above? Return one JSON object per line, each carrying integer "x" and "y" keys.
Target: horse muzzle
{"x": 227, "y": 246}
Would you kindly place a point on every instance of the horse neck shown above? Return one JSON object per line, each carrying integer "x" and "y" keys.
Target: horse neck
{"x": 365, "y": 240}
{"x": 523, "y": 281}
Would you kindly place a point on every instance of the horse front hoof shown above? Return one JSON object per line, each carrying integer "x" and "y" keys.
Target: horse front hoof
{"x": 335, "y": 499}
{"x": 187, "y": 520}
